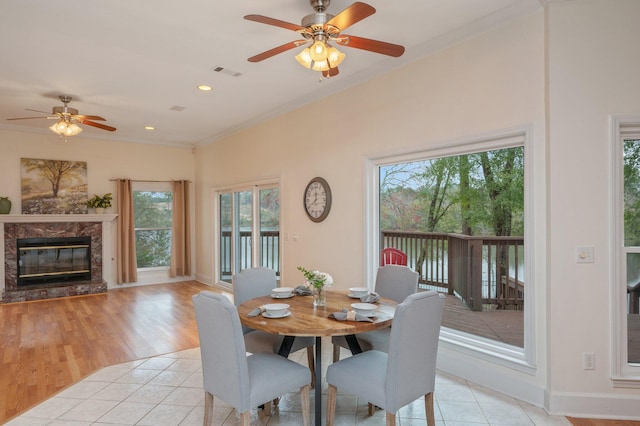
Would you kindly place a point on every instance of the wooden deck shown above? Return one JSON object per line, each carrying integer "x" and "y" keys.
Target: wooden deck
{"x": 508, "y": 326}
{"x": 501, "y": 325}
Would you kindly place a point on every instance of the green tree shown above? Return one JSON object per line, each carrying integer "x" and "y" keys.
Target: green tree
{"x": 504, "y": 186}
{"x": 631, "y": 182}
{"x": 475, "y": 194}
{"x": 153, "y": 217}
{"x": 440, "y": 180}
{"x": 270, "y": 208}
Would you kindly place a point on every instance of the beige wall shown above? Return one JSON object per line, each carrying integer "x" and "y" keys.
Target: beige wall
{"x": 593, "y": 73}
{"x": 105, "y": 160}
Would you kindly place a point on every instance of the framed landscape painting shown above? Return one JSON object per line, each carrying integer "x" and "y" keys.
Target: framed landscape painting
{"x": 53, "y": 186}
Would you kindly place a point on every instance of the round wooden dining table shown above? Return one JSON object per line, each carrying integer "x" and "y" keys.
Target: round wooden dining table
{"x": 308, "y": 320}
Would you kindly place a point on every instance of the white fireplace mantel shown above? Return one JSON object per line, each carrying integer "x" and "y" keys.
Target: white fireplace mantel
{"x": 106, "y": 220}
{"x": 48, "y": 218}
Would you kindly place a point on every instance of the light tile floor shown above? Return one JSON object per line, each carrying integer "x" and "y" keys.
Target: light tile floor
{"x": 167, "y": 390}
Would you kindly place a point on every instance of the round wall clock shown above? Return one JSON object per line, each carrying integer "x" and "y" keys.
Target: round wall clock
{"x": 317, "y": 199}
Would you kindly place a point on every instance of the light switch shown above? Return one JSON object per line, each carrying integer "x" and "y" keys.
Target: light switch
{"x": 584, "y": 254}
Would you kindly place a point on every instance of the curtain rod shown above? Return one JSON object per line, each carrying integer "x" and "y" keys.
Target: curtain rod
{"x": 142, "y": 180}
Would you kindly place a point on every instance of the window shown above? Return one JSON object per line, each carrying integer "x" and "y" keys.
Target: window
{"x": 248, "y": 229}
{"x": 626, "y": 244}
{"x": 460, "y": 215}
{"x": 152, "y": 203}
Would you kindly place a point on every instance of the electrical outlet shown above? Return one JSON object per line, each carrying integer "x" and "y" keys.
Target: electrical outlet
{"x": 589, "y": 360}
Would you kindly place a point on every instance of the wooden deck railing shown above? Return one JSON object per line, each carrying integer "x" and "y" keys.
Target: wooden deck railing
{"x": 486, "y": 272}
{"x": 269, "y": 241}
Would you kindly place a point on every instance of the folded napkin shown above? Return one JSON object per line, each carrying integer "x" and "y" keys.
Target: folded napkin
{"x": 302, "y": 291}
{"x": 347, "y": 315}
{"x": 370, "y": 298}
{"x": 257, "y": 311}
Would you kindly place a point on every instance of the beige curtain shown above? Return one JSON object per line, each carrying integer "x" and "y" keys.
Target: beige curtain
{"x": 180, "y": 231}
{"x": 126, "y": 250}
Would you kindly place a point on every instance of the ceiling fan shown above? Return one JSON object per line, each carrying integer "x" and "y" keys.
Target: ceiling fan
{"x": 67, "y": 118}
{"x": 319, "y": 29}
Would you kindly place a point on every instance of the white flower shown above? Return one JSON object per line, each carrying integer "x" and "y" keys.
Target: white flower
{"x": 328, "y": 279}
{"x": 316, "y": 279}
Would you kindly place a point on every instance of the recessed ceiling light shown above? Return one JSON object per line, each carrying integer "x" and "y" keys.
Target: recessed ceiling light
{"x": 149, "y": 128}
{"x": 205, "y": 88}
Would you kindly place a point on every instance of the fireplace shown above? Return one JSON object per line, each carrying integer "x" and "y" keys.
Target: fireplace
{"x": 53, "y": 260}
{"x": 67, "y": 261}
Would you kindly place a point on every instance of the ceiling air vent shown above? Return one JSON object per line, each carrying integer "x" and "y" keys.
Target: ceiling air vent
{"x": 226, "y": 71}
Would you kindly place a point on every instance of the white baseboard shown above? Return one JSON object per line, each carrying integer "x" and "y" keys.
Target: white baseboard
{"x": 592, "y": 405}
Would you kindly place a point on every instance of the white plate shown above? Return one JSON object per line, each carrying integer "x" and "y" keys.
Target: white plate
{"x": 353, "y": 296}
{"x": 268, "y": 315}
{"x": 281, "y": 296}
{"x": 276, "y": 307}
{"x": 364, "y": 308}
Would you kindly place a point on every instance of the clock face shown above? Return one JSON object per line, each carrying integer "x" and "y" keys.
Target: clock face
{"x": 317, "y": 199}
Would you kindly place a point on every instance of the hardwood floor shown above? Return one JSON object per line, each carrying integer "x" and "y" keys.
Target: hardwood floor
{"x": 45, "y": 346}
{"x": 48, "y": 345}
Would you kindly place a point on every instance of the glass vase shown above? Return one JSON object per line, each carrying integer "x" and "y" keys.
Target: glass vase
{"x": 319, "y": 296}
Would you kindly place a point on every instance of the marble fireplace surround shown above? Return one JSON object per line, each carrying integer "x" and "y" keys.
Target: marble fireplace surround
{"x": 98, "y": 226}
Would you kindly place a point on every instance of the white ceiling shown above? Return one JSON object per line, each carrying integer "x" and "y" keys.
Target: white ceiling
{"x": 132, "y": 61}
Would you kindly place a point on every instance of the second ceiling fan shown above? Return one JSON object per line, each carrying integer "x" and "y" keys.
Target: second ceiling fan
{"x": 320, "y": 29}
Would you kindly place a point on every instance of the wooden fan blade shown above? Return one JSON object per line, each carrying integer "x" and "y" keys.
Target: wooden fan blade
{"x": 370, "y": 45}
{"x": 89, "y": 117}
{"x": 331, "y": 72}
{"x": 275, "y": 22}
{"x": 269, "y": 53}
{"x": 26, "y": 118}
{"x": 351, "y": 15}
{"x": 98, "y": 125}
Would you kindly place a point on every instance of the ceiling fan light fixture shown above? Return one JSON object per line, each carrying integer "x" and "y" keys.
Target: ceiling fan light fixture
{"x": 321, "y": 66}
{"x": 332, "y": 59}
{"x": 318, "y": 51}
{"x": 304, "y": 58}
{"x": 335, "y": 57}
{"x": 64, "y": 128}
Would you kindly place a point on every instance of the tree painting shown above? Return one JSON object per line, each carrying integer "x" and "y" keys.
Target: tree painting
{"x": 53, "y": 186}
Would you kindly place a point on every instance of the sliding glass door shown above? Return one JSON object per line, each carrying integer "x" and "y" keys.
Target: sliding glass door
{"x": 248, "y": 229}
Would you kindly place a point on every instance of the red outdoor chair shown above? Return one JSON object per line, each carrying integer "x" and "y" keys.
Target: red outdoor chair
{"x": 392, "y": 256}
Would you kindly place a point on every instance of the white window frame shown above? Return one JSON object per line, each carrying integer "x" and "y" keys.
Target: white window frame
{"x": 143, "y": 186}
{"x": 524, "y": 359}
{"x": 623, "y": 374}
{"x": 254, "y": 187}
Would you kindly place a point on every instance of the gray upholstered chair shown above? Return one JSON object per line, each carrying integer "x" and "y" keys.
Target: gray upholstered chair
{"x": 242, "y": 381}
{"x": 391, "y": 381}
{"x": 257, "y": 282}
{"x": 395, "y": 282}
